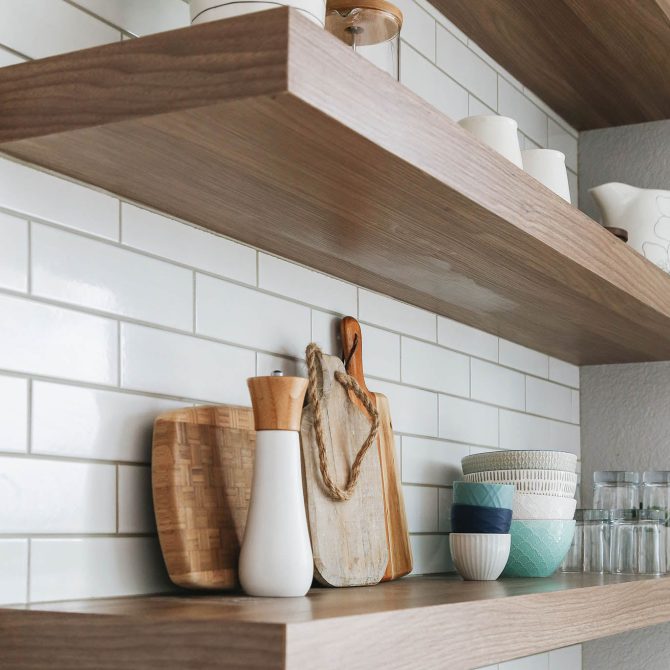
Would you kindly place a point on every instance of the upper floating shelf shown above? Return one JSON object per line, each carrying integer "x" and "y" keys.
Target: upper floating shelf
{"x": 598, "y": 63}
{"x": 268, "y": 130}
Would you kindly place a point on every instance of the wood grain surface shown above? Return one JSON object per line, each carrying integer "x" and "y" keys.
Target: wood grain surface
{"x": 201, "y": 470}
{"x": 277, "y": 402}
{"x": 428, "y": 622}
{"x": 268, "y": 130}
{"x": 597, "y": 63}
{"x": 397, "y": 532}
{"x": 348, "y": 537}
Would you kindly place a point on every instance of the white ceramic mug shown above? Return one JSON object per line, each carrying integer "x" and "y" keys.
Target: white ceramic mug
{"x": 213, "y": 10}
{"x": 498, "y": 132}
{"x": 548, "y": 167}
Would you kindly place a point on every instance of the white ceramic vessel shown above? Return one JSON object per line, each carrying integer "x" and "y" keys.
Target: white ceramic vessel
{"x": 522, "y": 459}
{"x": 644, "y": 213}
{"x": 534, "y": 506}
{"x": 498, "y": 132}
{"x": 211, "y": 10}
{"x": 479, "y": 556}
{"x": 548, "y": 167}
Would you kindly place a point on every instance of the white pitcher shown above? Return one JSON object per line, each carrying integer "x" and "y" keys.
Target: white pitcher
{"x": 644, "y": 213}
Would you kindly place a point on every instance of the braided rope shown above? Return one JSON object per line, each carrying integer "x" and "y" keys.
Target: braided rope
{"x": 315, "y": 397}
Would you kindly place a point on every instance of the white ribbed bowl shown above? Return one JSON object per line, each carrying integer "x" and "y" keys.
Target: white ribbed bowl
{"x": 539, "y": 482}
{"x": 520, "y": 460}
{"x": 479, "y": 556}
{"x": 532, "y": 506}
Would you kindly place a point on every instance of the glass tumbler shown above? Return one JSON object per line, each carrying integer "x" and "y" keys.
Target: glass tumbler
{"x": 596, "y": 529}
{"x": 574, "y": 559}
{"x": 656, "y": 495}
{"x": 638, "y": 542}
{"x": 616, "y": 489}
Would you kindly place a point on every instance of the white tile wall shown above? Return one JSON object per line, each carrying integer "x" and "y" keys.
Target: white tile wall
{"x": 98, "y": 336}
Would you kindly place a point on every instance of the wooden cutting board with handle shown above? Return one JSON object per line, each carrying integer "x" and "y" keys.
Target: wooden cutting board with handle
{"x": 201, "y": 470}
{"x": 348, "y": 536}
{"x": 399, "y": 548}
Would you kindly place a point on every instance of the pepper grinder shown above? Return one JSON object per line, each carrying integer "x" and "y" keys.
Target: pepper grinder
{"x": 276, "y": 557}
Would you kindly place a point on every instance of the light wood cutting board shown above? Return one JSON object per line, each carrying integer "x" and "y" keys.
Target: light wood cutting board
{"x": 201, "y": 470}
{"x": 397, "y": 531}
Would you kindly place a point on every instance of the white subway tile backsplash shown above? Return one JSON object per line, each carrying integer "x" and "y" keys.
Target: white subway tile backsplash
{"x": 432, "y": 462}
{"x": 445, "y": 499}
{"x": 381, "y": 353}
{"x": 496, "y": 66}
{"x": 159, "y": 235}
{"x": 9, "y": 58}
{"x": 13, "y": 571}
{"x": 431, "y": 84}
{"x": 497, "y": 385}
{"x": 442, "y": 19}
{"x": 89, "y": 273}
{"x": 431, "y": 554}
{"x": 266, "y": 364}
{"x": 477, "y": 108}
{"x": 464, "y": 338}
{"x": 183, "y": 366}
{"x": 524, "y": 359}
{"x": 42, "y": 496}
{"x": 466, "y": 67}
{"x": 468, "y": 421}
{"x": 95, "y": 567}
{"x": 567, "y": 658}
{"x": 548, "y": 399}
{"x": 563, "y": 373}
{"x": 412, "y": 410}
{"x": 435, "y": 368}
{"x": 421, "y": 508}
{"x": 55, "y": 342}
{"x": 561, "y": 139}
{"x": 326, "y": 332}
{"x": 536, "y": 662}
{"x": 293, "y": 281}
{"x": 59, "y": 200}
{"x": 13, "y": 253}
{"x": 395, "y": 315}
{"x": 13, "y": 414}
{"x": 524, "y": 431}
{"x": 418, "y": 27}
{"x": 136, "y": 509}
{"x": 91, "y": 423}
{"x": 242, "y": 315}
{"x": 531, "y": 119}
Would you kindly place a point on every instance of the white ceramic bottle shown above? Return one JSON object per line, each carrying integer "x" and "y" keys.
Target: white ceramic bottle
{"x": 276, "y": 557}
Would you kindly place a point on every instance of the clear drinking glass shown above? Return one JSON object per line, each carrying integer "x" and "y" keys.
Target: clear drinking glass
{"x": 638, "y": 542}
{"x": 616, "y": 489}
{"x": 596, "y": 540}
{"x": 574, "y": 559}
{"x": 656, "y": 495}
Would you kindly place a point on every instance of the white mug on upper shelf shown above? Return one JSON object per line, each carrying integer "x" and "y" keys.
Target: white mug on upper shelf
{"x": 548, "y": 167}
{"x": 498, "y": 132}
{"x": 212, "y": 10}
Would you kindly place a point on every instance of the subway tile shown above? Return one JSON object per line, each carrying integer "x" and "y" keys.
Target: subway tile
{"x": 567, "y": 658}
{"x": 294, "y": 281}
{"x": 495, "y": 65}
{"x": 242, "y": 315}
{"x": 395, "y": 315}
{"x": 527, "y": 143}
{"x": 42, "y": 496}
{"x": 431, "y": 84}
{"x": 13, "y": 572}
{"x": 412, "y": 410}
{"x": 9, "y": 58}
{"x": 42, "y": 195}
{"x": 468, "y": 421}
{"x": 418, "y": 27}
{"x": 435, "y": 368}
{"x": 180, "y": 242}
{"x": 326, "y": 332}
{"x": 430, "y": 554}
{"x": 532, "y": 120}
{"x": 13, "y": 414}
{"x": 13, "y": 253}
{"x": 464, "y": 338}
{"x": 550, "y": 112}
{"x": 524, "y": 431}
{"x": 563, "y": 373}
{"x": 432, "y": 462}
{"x": 68, "y": 569}
{"x": 55, "y": 342}
{"x": 136, "y": 509}
{"x": 548, "y": 399}
{"x": 381, "y": 353}
{"x": 97, "y": 275}
{"x": 477, "y": 107}
{"x": 466, "y": 67}
{"x": 561, "y": 139}
{"x": 495, "y": 384}
{"x": 266, "y": 364}
{"x": 442, "y": 19}
{"x": 536, "y": 662}
{"x": 184, "y": 366}
{"x": 91, "y": 423}
{"x": 445, "y": 499}
{"x": 421, "y": 508}
{"x": 492, "y": 667}
{"x": 40, "y": 28}
{"x": 524, "y": 359}
{"x": 574, "y": 415}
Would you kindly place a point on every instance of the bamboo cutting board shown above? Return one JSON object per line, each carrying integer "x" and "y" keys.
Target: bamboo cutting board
{"x": 201, "y": 469}
{"x": 397, "y": 531}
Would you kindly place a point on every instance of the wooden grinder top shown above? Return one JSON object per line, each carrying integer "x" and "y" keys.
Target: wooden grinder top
{"x": 277, "y": 401}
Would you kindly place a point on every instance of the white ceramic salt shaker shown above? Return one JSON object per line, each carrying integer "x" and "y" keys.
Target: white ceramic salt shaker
{"x": 276, "y": 557}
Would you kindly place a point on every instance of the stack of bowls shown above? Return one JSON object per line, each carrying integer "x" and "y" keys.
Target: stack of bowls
{"x": 480, "y": 521}
{"x": 544, "y": 505}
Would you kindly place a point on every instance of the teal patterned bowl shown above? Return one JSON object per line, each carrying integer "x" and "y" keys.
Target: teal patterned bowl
{"x": 484, "y": 495}
{"x": 538, "y": 547}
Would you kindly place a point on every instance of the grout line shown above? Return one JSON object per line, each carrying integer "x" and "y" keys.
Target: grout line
{"x": 97, "y": 17}
{"x": 73, "y": 536}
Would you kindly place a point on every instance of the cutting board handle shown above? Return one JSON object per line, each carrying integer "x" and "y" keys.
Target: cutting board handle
{"x": 352, "y": 348}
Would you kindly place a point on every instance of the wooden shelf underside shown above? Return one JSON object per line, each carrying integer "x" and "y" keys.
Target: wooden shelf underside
{"x": 268, "y": 130}
{"x": 439, "y": 621}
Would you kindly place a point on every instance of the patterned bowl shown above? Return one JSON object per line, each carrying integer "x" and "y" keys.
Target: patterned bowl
{"x": 538, "y": 547}
{"x": 484, "y": 495}
{"x": 535, "y": 506}
{"x": 542, "y": 482}
{"x": 519, "y": 460}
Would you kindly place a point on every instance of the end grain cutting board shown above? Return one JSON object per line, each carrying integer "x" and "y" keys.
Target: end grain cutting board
{"x": 201, "y": 470}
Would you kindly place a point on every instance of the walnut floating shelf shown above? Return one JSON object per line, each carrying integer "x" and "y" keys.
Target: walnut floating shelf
{"x": 268, "y": 130}
{"x": 431, "y": 622}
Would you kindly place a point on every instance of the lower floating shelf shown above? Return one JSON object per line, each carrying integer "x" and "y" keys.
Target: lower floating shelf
{"x": 437, "y": 622}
